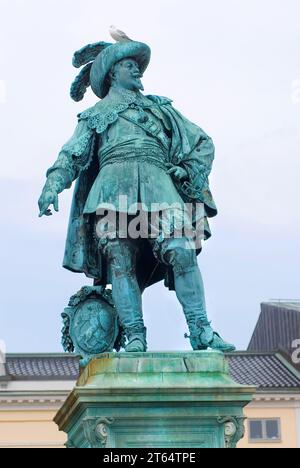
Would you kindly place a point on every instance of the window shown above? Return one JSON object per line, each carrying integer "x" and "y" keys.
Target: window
{"x": 264, "y": 430}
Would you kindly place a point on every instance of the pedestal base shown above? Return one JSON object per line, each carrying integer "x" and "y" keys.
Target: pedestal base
{"x": 168, "y": 400}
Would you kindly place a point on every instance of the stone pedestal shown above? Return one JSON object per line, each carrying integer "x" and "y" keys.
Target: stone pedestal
{"x": 168, "y": 400}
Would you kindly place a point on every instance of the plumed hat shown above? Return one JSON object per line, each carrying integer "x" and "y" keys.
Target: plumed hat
{"x": 98, "y": 59}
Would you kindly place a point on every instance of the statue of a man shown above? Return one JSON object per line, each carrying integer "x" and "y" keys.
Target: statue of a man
{"x": 139, "y": 147}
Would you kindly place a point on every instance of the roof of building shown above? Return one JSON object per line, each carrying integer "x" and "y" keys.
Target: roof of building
{"x": 42, "y": 366}
{"x": 287, "y": 304}
{"x": 264, "y": 370}
{"x": 278, "y": 327}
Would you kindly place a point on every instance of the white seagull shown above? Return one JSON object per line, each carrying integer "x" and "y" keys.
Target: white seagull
{"x": 118, "y": 35}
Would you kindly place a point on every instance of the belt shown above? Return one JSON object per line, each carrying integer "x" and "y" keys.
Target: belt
{"x": 153, "y": 156}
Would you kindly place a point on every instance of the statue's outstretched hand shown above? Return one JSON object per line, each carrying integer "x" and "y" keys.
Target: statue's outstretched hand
{"x": 49, "y": 197}
{"x": 177, "y": 172}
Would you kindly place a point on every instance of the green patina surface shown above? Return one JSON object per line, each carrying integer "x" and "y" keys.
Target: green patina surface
{"x": 139, "y": 148}
{"x": 180, "y": 399}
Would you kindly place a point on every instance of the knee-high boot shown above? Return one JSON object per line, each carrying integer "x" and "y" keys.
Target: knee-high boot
{"x": 190, "y": 293}
{"x": 126, "y": 294}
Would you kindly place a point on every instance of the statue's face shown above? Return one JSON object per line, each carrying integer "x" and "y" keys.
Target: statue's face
{"x": 127, "y": 75}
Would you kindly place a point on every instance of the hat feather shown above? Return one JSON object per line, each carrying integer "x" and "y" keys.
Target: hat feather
{"x": 88, "y": 53}
{"x": 81, "y": 83}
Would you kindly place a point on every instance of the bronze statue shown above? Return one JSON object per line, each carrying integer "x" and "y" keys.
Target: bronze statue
{"x": 139, "y": 148}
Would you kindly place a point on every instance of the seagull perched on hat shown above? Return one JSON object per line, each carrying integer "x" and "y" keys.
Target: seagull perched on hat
{"x": 118, "y": 35}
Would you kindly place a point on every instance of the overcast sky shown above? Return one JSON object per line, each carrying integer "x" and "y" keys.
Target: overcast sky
{"x": 233, "y": 67}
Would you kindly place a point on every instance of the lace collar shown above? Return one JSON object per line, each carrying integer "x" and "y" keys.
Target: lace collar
{"x": 107, "y": 111}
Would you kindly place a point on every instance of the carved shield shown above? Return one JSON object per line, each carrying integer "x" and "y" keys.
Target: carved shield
{"x": 91, "y": 324}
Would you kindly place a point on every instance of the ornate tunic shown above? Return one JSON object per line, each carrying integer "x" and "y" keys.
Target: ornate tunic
{"x": 133, "y": 164}
{"x": 88, "y": 158}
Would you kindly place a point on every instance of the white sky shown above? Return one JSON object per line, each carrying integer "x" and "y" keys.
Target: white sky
{"x": 231, "y": 66}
